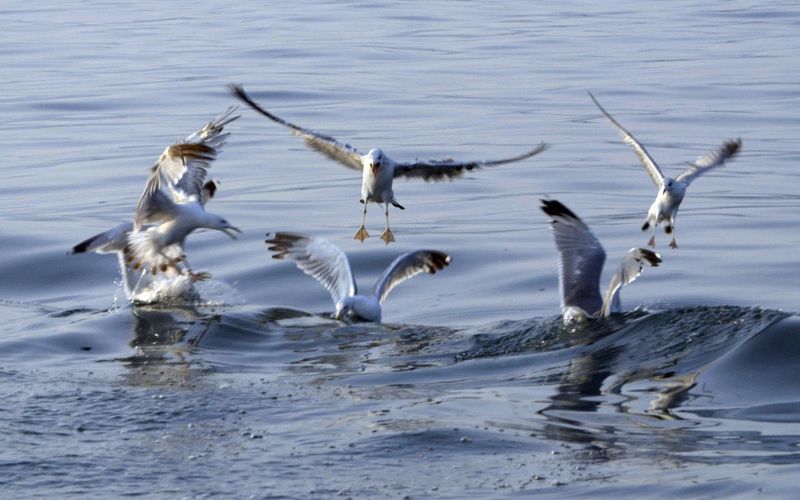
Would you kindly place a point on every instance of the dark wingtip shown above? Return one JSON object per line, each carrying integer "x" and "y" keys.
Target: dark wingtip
{"x": 555, "y": 208}
{"x": 652, "y": 257}
{"x": 80, "y": 247}
{"x": 211, "y": 188}
{"x": 436, "y": 261}
{"x": 279, "y": 243}
{"x": 236, "y": 89}
{"x": 732, "y": 147}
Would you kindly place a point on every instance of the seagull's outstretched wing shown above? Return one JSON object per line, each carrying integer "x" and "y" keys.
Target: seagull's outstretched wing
{"x": 408, "y": 265}
{"x": 318, "y": 258}
{"x": 582, "y": 259}
{"x": 113, "y": 240}
{"x": 325, "y": 144}
{"x": 177, "y": 177}
{"x": 644, "y": 157}
{"x": 179, "y": 174}
{"x": 213, "y": 133}
{"x": 716, "y": 158}
{"x": 629, "y": 269}
{"x": 438, "y": 170}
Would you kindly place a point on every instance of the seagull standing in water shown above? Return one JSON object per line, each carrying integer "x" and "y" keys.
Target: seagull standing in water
{"x": 378, "y": 171}
{"x": 581, "y": 263}
{"x": 326, "y": 263}
{"x": 173, "y": 202}
{"x": 671, "y": 191}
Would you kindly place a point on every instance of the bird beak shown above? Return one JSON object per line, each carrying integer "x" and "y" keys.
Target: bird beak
{"x": 229, "y": 231}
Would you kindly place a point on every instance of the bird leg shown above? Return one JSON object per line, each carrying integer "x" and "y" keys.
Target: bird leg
{"x": 387, "y": 235}
{"x": 671, "y": 230}
{"x": 187, "y": 271}
{"x": 652, "y": 241}
{"x": 362, "y": 233}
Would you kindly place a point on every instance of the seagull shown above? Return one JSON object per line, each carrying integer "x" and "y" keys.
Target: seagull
{"x": 378, "y": 171}
{"x": 581, "y": 263}
{"x": 325, "y": 262}
{"x": 115, "y": 241}
{"x": 671, "y": 191}
{"x": 172, "y": 203}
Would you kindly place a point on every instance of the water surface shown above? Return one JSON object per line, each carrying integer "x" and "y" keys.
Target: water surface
{"x": 472, "y": 387}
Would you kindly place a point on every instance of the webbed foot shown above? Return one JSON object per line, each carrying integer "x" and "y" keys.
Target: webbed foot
{"x": 387, "y": 236}
{"x": 201, "y": 276}
{"x": 361, "y": 234}
{"x": 673, "y": 243}
{"x": 652, "y": 242}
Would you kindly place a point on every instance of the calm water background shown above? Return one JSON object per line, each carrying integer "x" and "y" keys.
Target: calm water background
{"x": 695, "y": 393}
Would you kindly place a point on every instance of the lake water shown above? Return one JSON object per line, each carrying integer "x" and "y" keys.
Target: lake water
{"x": 471, "y": 387}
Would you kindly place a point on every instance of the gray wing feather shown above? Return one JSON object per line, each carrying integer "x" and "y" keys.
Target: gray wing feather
{"x": 327, "y": 145}
{"x": 318, "y": 258}
{"x": 406, "y": 266}
{"x": 649, "y": 163}
{"x": 438, "y": 170}
{"x": 629, "y": 269}
{"x": 179, "y": 174}
{"x": 113, "y": 240}
{"x": 714, "y": 159}
{"x": 581, "y": 259}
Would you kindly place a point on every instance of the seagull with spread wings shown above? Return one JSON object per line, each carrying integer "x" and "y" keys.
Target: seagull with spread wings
{"x": 115, "y": 241}
{"x": 378, "y": 171}
{"x": 326, "y": 263}
{"x": 173, "y": 202}
{"x": 671, "y": 191}
{"x": 581, "y": 263}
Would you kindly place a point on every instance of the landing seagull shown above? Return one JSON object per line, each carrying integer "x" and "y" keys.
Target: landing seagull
{"x": 326, "y": 263}
{"x": 115, "y": 241}
{"x": 172, "y": 203}
{"x": 581, "y": 263}
{"x": 671, "y": 191}
{"x": 378, "y": 171}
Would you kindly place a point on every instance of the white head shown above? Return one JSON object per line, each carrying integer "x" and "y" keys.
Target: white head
{"x": 374, "y": 160}
{"x": 668, "y": 185}
{"x": 220, "y": 224}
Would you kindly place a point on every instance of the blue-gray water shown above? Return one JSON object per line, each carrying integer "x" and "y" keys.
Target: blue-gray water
{"x": 471, "y": 388}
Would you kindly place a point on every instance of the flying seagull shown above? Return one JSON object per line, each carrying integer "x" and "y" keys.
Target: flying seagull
{"x": 671, "y": 191}
{"x": 115, "y": 241}
{"x": 581, "y": 263}
{"x": 378, "y": 171}
{"x": 326, "y": 263}
{"x": 172, "y": 204}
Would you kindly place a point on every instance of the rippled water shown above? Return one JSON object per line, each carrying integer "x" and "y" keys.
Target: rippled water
{"x": 472, "y": 387}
